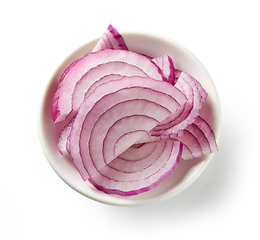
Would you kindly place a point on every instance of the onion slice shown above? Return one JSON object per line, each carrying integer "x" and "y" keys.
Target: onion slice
{"x": 62, "y": 105}
{"x": 198, "y": 139}
{"x": 188, "y": 112}
{"x": 131, "y": 177}
{"x": 116, "y": 115}
{"x": 165, "y": 63}
{"x": 110, "y": 39}
{"x": 96, "y": 76}
{"x": 63, "y": 142}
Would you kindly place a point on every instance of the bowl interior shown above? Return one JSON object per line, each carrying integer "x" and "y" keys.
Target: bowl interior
{"x": 187, "y": 171}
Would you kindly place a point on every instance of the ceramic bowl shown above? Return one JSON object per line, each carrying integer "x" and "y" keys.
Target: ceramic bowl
{"x": 187, "y": 171}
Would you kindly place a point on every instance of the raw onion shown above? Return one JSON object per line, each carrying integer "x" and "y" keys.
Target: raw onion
{"x": 130, "y": 117}
{"x": 115, "y": 116}
{"x": 167, "y": 66}
{"x": 144, "y": 174}
{"x": 110, "y": 39}
{"x": 63, "y": 97}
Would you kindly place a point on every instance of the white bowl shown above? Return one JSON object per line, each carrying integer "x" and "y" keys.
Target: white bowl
{"x": 187, "y": 171}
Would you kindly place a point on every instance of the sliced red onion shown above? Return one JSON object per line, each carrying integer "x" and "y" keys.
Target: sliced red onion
{"x": 198, "y": 139}
{"x": 102, "y": 80}
{"x": 178, "y": 73}
{"x": 117, "y": 178}
{"x": 67, "y": 69}
{"x": 165, "y": 63}
{"x": 110, "y": 39}
{"x": 62, "y": 105}
{"x": 134, "y": 117}
{"x": 63, "y": 142}
{"x": 188, "y": 112}
{"x": 95, "y": 76}
{"x": 115, "y": 116}
{"x": 209, "y": 134}
{"x": 55, "y": 111}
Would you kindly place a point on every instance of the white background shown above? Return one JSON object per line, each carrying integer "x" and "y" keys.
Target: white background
{"x": 35, "y": 38}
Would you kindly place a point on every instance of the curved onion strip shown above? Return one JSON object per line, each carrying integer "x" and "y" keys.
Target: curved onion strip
{"x": 192, "y": 147}
{"x": 188, "y": 113}
{"x": 104, "y": 98}
{"x": 102, "y": 80}
{"x": 165, "y": 63}
{"x": 63, "y": 142}
{"x": 134, "y": 159}
{"x": 67, "y": 69}
{"x": 63, "y": 99}
{"x": 121, "y": 135}
{"x": 55, "y": 112}
{"x": 110, "y": 39}
{"x": 198, "y": 139}
{"x": 113, "y": 181}
{"x": 95, "y": 74}
{"x": 209, "y": 134}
